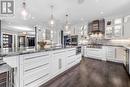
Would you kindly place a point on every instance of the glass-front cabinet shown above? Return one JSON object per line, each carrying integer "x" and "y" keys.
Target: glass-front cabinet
{"x": 114, "y": 28}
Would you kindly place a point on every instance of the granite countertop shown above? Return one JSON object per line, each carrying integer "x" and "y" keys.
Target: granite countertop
{"x": 115, "y": 45}
{"x": 28, "y": 51}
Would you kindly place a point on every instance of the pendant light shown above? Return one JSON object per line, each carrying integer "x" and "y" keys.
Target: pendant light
{"x": 67, "y": 22}
{"x": 24, "y": 12}
{"x": 52, "y": 16}
{"x": 67, "y": 25}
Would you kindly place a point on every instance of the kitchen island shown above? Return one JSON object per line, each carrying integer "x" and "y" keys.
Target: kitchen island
{"x": 34, "y": 68}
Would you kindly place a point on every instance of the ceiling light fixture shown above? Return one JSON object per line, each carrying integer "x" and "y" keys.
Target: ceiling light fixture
{"x": 67, "y": 25}
{"x": 67, "y": 22}
{"x": 52, "y": 16}
{"x": 24, "y": 12}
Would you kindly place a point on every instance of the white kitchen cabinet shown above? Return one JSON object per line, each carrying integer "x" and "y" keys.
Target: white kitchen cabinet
{"x": 96, "y": 53}
{"x": 127, "y": 30}
{"x": 114, "y": 28}
{"x": 35, "y": 69}
{"x": 71, "y": 57}
{"x": 115, "y": 54}
{"x": 120, "y": 54}
{"x": 110, "y": 53}
{"x": 58, "y": 62}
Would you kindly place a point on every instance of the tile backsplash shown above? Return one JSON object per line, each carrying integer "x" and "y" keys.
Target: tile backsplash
{"x": 117, "y": 42}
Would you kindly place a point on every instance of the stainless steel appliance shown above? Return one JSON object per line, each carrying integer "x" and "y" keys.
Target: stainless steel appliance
{"x": 74, "y": 40}
{"x": 78, "y": 50}
{"x": 127, "y": 61}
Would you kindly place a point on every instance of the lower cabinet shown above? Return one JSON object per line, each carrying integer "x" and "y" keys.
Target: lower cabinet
{"x": 115, "y": 54}
{"x": 110, "y": 53}
{"x": 58, "y": 62}
{"x": 37, "y": 68}
{"x": 95, "y": 53}
{"x": 107, "y": 53}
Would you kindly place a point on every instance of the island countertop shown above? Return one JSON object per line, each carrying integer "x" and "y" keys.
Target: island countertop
{"x": 26, "y": 50}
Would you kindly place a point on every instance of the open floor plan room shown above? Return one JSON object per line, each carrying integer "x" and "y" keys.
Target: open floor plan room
{"x": 64, "y": 43}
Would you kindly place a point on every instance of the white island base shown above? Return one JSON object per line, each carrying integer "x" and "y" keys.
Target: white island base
{"x": 35, "y": 69}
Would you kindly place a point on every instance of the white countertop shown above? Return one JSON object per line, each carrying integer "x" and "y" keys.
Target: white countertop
{"x": 4, "y": 68}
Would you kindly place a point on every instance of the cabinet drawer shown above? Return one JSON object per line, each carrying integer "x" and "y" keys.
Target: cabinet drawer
{"x": 32, "y": 65}
{"x": 32, "y": 78}
{"x": 35, "y": 55}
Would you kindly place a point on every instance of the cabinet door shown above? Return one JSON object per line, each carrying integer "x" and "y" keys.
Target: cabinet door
{"x": 108, "y": 32}
{"x": 120, "y": 54}
{"x": 111, "y": 53}
{"x": 127, "y": 30}
{"x": 55, "y": 65}
{"x": 117, "y": 31}
{"x": 58, "y": 62}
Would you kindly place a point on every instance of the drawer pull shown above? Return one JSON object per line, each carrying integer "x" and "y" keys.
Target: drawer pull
{"x": 36, "y": 67}
{"x": 36, "y": 57}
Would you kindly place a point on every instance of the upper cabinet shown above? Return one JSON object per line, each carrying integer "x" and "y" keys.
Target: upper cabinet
{"x": 96, "y": 26}
{"x": 127, "y": 27}
{"x": 117, "y": 28}
{"x": 114, "y": 28}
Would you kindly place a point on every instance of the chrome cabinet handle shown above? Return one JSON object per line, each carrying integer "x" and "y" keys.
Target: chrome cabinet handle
{"x": 60, "y": 63}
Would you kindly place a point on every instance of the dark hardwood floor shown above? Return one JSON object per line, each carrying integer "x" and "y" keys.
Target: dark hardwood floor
{"x": 93, "y": 73}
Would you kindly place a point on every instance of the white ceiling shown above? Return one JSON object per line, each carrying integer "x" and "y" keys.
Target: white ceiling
{"x": 87, "y": 9}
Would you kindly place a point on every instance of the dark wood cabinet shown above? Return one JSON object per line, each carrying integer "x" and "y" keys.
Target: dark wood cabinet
{"x": 102, "y": 25}
{"x": 96, "y": 26}
{"x": 90, "y": 28}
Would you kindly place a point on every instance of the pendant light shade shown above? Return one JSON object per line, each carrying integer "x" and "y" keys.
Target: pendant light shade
{"x": 24, "y": 12}
{"x": 52, "y": 16}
